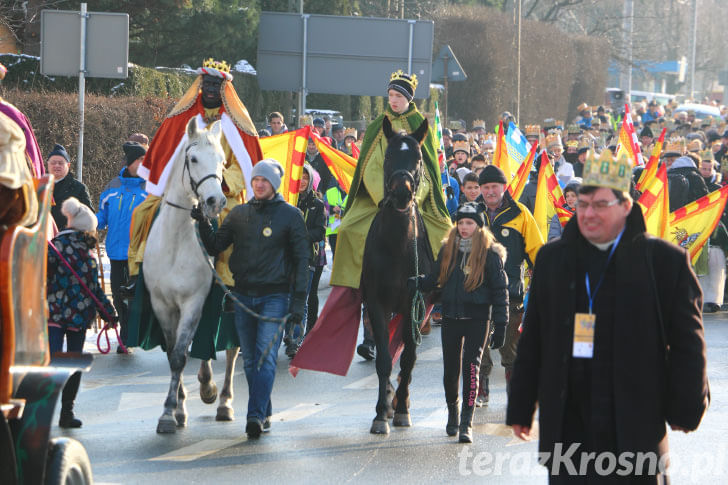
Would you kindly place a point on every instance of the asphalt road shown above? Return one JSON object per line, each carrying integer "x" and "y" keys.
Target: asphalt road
{"x": 320, "y": 431}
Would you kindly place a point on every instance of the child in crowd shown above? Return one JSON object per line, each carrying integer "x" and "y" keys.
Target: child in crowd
{"x": 71, "y": 309}
{"x": 474, "y": 288}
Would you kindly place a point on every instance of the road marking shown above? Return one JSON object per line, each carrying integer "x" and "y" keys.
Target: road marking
{"x": 196, "y": 451}
{"x": 139, "y": 400}
{"x": 299, "y": 411}
{"x": 433, "y": 354}
{"x": 369, "y": 382}
{"x": 435, "y": 420}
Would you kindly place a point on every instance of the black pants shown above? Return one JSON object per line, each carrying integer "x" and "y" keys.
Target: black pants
{"x": 119, "y": 277}
{"x": 462, "y": 347}
{"x": 74, "y": 343}
{"x": 313, "y": 299}
{"x": 332, "y": 243}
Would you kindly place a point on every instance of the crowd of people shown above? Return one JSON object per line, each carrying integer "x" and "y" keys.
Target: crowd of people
{"x": 488, "y": 245}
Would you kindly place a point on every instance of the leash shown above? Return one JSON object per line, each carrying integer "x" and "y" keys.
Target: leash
{"x": 229, "y": 294}
{"x": 109, "y": 319}
{"x": 419, "y": 310}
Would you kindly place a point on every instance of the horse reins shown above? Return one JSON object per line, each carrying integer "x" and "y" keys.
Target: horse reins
{"x": 194, "y": 184}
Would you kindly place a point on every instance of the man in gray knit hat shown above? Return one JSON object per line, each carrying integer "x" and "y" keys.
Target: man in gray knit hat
{"x": 269, "y": 264}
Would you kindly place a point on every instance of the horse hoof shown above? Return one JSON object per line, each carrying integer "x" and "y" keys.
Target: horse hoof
{"x": 166, "y": 426}
{"x": 402, "y": 419}
{"x": 225, "y": 414}
{"x": 379, "y": 427}
{"x": 181, "y": 420}
{"x": 210, "y": 396}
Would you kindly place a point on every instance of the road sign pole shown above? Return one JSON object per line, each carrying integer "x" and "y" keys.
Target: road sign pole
{"x": 444, "y": 104}
{"x": 81, "y": 92}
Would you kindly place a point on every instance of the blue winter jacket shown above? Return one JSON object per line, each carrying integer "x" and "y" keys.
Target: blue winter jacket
{"x": 116, "y": 205}
{"x": 451, "y": 201}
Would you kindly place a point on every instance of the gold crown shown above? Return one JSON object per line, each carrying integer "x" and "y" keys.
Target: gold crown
{"x": 573, "y": 129}
{"x": 584, "y": 142}
{"x": 695, "y": 146}
{"x": 552, "y": 140}
{"x": 675, "y": 145}
{"x": 305, "y": 120}
{"x": 400, "y": 75}
{"x": 572, "y": 144}
{"x": 350, "y": 132}
{"x": 706, "y": 155}
{"x": 219, "y": 65}
{"x": 607, "y": 171}
{"x": 533, "y": 130}
{"x": 461, "y": 145}
{"x": 478, "y": 124}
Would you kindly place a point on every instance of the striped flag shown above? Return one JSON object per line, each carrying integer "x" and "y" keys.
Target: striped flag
{"x": 524, "y": 171}
{"x": 289, "y": 149}
{"x": 651, "y": 168}
{"x": 341, "y": 165}
{"x": 691, "y": 225}
{"x": 355, "y": 150}
{"x": 548, "y": 196}
{"x": 655, "y": 203}
{"x": 438, "y": 132}
{"x": 628, "y": 139}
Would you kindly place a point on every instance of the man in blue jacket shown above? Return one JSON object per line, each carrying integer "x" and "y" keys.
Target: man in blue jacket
{"x": 116, "y": 205}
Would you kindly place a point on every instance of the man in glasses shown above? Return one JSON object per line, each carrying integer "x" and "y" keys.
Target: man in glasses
{"x": 612, "y": 347}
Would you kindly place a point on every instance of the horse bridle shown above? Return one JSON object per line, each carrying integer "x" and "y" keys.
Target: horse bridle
{"x": 411, "y": 179}
{"x": 194, "y": 184}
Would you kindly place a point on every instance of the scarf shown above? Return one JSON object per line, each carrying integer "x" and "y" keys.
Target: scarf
{"x": 465, "y": 245}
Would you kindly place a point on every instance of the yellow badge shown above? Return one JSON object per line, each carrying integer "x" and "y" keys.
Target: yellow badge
{"x": 505, "y": 232}
{"x": 267, "y": 231}
{"x": 466, "y": 271}
{"x": 584, "y": 335}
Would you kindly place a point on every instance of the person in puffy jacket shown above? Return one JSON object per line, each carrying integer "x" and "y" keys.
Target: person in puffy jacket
{"x": 470, "y": 274}
{"x": 116, "y": 205}
{"x": 71, "y": 309}
{"x": 271, "y": 253}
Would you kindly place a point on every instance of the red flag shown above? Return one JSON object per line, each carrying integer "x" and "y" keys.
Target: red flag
{"x": 524, "y": 171}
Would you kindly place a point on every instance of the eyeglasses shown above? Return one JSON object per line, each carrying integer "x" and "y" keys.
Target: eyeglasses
{"x": 597, "y": 205}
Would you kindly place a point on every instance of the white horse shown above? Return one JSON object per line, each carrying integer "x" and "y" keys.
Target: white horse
{"x": 176, "y": 273}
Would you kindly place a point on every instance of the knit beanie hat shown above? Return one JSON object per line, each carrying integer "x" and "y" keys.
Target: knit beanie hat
{"x": 79, "y": 216}
{"x": 471, "y": 210}
{"x": 270, "y": 170}
{"x": 491, "y": 174}
{"x": 132, "y": 151}
{"x": 59, "y": 149}
{"x": 404, "y": 84}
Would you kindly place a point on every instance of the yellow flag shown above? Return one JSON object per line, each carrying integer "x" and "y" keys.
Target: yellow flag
{"x": 691, "y": 225}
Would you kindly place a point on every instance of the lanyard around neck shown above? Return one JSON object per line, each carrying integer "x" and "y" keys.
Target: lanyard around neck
{"x": 601, "y": 279}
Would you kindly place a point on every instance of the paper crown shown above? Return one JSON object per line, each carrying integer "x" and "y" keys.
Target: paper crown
{"x": 553, "y": 140}
{"x": 694, "y": 146}
{"x": 572, "y": 144}
{"x": 706, "y": 155}
{"x": 305, "y": 120}
{"x": 674, "y": 146}
{"x": 606, "y": 171}
{"x": 400, "y": 75}
{"x": 533, "y": 130}
{"x": 461, "y": 146}
{"x": 573, "y": 129}
{"x": 456, "y": 125}
{"x": 350, "y": 132}
{"x": 478, "y": 124}
{"x": 219, "y": 65}
{"x": 584, "y": 142}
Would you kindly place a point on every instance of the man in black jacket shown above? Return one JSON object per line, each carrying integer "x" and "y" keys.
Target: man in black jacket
{"x": 685, "y": 184}
{"x": 270, "y": 254}
{"x": 612, "y": 345}
{"x": 59, "y": 164}
{"x": 312, "y": 209}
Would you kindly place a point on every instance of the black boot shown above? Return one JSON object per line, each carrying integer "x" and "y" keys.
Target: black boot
{"x": 466, "y": 424}
{"x": 67, "y": 419}
{"x": 453, "y": 416}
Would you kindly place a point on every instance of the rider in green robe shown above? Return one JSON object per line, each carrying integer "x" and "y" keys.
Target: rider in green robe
{"x": 367, "y": 187}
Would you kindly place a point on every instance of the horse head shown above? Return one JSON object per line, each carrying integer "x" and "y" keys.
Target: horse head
{"x": 402, "y": 165}
{"x": 204, "y": 163}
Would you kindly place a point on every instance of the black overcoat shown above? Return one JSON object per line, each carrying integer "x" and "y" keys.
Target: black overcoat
{"x": 659, "y": 368}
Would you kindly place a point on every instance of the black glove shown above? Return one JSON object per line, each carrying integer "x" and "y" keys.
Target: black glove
{"x": 295, "y": 319}
{"x": 449, "y": 192}
{"x": 414, "y": 282}
{"x": 498, "y": 337}
{"x": 298, "y": 302}
{"x": 196, "y": 214}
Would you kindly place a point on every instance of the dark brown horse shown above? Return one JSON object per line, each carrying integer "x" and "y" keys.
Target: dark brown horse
{"x": 389, "y": 259}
